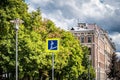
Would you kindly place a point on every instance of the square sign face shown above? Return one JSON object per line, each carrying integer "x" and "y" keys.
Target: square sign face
{"x": 52, "y": 45}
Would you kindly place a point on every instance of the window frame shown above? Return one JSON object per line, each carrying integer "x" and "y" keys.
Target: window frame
{"x": 89, "y": 39}
{"x": 82, "y": 39}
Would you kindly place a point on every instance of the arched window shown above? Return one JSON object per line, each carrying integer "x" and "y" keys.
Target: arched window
{"x": 89, "y": 49}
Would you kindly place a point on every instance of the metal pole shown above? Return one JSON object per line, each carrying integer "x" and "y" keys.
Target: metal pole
{"x": 52, "y": 66}
{"x": 16, "y": 54}
{"x": 16, "y": 22}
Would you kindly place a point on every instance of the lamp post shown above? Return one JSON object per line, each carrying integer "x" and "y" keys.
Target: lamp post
{"x": 16, "y": 23}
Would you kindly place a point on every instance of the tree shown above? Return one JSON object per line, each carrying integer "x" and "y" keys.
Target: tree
{"x": 118, "y": 68}
{"x": 9, "y": 9}
{"x": 68, "y": 60}
{"x": 34, "y": 61}
{"x": 86, "y": 62}
{"x": 112, "y": 73}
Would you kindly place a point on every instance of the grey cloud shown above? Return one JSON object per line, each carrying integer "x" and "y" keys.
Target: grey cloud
{"x": 68, "y": 10}
{"x": 65, "y": 7}
{"x": 109, "y": 24}
{"x": 117, "y": 12}
{"x": 112, "y": 2}
{"x": 117, "y": 47}
{"x": 116, "y": 37}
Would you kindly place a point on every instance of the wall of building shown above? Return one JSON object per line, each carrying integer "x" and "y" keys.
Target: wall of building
{"x": 101, "y": 47}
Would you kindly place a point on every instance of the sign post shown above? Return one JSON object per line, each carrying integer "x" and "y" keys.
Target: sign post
{"x": 52, "y": 46}
{"x": 52, "y": 66}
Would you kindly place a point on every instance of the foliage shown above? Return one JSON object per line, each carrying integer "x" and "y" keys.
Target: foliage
{"x": 86, "y": 62}
{"x": 113, "y": 71}
{"x": 34, "y": 61}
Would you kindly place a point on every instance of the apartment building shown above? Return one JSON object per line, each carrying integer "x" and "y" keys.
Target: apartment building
{"x": 100, "y": 45}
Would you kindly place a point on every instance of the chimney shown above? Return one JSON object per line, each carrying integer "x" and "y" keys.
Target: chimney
{"x": 82, "y": 25}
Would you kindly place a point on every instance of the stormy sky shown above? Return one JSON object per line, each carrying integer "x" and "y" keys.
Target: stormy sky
{"x": 67, "y": 13}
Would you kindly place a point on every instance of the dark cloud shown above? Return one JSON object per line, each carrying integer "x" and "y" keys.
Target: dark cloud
{"x": 73, "y": 9}
{"x": 116, "y": 38}
{"x": 109, "y": 24}
{"x": 66, "y": 9}
{"x": 115, "y": 3}
{"x": 117, "y": 12}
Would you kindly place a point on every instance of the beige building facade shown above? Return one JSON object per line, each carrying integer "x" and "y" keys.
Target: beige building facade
{"x": 100, "y": 45}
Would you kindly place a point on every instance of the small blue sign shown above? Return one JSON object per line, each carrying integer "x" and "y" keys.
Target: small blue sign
{"x": 52, "y": 45}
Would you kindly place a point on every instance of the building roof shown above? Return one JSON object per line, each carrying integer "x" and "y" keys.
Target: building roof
{"x": 80, "y": 29}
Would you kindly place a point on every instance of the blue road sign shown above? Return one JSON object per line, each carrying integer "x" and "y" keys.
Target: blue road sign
{"x": 52, "y": 45}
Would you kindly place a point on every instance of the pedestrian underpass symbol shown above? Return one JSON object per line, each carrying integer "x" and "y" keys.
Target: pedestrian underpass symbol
{"x": 52, "y": 45}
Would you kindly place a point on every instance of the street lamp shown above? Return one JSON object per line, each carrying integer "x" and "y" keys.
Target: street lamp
{"x": 16, "y": 23}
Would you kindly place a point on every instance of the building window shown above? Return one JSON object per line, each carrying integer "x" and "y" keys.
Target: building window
{"x": 89, "y": 49}
{"x": 82, "y": 39}
{"x": 89, "y": 39}
{"x": 75, "y": 34}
